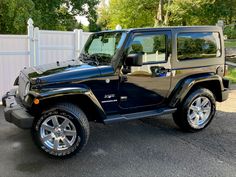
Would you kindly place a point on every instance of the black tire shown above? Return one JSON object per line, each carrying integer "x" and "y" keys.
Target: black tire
{"x": 181, "y": 115}
{"x": 76, "y": 118}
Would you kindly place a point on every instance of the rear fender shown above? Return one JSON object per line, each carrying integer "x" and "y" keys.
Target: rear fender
{"x": 185, "y": 85}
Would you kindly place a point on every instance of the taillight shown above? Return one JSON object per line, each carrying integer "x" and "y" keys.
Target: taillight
{"x": 226, "y": 69}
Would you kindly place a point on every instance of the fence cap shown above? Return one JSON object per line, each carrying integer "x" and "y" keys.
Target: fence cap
{"x": 30, "y": 22}
{"x": 220, "y": 23}
{"x": 118, "y": 27}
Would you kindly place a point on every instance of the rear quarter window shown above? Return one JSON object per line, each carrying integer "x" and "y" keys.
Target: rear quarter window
{"x": 198, "y": 45}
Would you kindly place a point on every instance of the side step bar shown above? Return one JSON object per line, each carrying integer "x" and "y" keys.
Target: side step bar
{"x": 138, "y": 115}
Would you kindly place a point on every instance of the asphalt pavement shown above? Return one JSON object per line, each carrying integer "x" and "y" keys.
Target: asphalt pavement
{"x": 152, "y": 147}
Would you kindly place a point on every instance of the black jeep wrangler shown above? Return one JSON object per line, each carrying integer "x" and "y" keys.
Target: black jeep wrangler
{"x": 122, "y": 75}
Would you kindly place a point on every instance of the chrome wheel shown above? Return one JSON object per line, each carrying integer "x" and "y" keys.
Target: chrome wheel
{"x": 58, "y": 132}
{"x": 199, "y": 112}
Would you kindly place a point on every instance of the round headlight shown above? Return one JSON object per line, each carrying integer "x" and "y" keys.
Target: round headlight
{"x": 27, "y": 88}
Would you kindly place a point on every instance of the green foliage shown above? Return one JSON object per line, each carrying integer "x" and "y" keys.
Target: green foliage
{"x": 201, "y": 12}
{"x": 46, "y": 14}
{"x": 60, "y": 14}
{"x": 92, "y": 15}
{"x": 127, "y": 13}
{"x": 13, "y": 15}
{"x": 104, "y": 15}
{"x": 232, "y": 74}
{"x": 144, "y": 13}
{"x": 230, "y": 31}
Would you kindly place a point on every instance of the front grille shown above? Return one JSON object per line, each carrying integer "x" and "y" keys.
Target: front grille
{"x": 22, "y": 84}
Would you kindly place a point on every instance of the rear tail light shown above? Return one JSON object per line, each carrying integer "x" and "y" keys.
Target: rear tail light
{"x": 226, "y": 69}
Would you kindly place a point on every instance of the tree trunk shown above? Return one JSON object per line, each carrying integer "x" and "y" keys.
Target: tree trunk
{"x": 166, "y": 21}
{"x": 159, "y": 17}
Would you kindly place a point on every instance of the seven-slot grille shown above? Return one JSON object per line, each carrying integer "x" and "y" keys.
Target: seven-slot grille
{"x": 22, "y": 85}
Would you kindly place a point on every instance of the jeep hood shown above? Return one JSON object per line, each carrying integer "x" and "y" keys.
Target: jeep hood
{"x": 66, "y": 71}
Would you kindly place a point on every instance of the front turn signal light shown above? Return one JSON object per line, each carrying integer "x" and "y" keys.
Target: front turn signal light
{"x": 36, "y": 101}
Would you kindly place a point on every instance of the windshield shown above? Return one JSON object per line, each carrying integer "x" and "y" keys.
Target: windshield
{"x": 101, "y": 47}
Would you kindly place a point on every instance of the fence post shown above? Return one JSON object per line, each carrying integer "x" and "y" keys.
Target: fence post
{"x": 76, "y": 44}
{"x": 79, "y": 39}
{"x": 36, "y": 46}
{"x": 220, "y": 23}
{"x": 31, "y": 41}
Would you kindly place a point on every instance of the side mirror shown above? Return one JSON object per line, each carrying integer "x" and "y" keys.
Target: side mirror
{"x": 135, "y": 59}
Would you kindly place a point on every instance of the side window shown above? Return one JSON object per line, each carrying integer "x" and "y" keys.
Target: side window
{"x": 153, "y": 47}
{"x": 198, "y": 45}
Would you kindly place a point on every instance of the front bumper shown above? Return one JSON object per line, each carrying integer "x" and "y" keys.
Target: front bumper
{"x": 15, "y": 112}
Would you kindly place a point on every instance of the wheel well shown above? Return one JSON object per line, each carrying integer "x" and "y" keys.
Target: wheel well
{"x": 82, "y": 101}
{"x": 214, "y": 86}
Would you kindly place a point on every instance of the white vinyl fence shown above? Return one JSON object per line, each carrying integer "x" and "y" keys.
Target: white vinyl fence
{"x": 35, "y": 48}
{"x": 14, "y": 56}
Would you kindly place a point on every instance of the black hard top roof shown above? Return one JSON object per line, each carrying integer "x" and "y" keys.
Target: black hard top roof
{"x": 215, "y": 28}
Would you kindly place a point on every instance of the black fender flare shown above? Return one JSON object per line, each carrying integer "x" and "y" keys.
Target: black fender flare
{"x": 49, "y": 93}
{"x": 185, "y": 85}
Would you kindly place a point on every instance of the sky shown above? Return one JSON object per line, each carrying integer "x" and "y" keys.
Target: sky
{"x": 83, "y": 19}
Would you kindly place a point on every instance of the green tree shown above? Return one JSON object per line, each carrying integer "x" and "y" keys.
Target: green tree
{"x": 128, "y": 13}
{"x": 60, "y": 14}
{"x": 201, "y": 12}
{"x": 92, "y": 15}
{"x": 46, "y": 14}
{"x": 104, "y": 15}
{"x": 14, "y": 15}
{"x": 145, "y": 13}
{"x": 79, "y": 26}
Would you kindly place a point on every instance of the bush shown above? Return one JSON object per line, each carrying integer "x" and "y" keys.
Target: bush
{"x": 232, "y": 74}
{"x": 230, "y": 31}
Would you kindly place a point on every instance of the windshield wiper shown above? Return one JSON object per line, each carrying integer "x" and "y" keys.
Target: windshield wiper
{"x": 89, "y": 59}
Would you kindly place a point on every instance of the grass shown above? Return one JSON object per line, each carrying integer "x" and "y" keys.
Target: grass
{"x": 232, "y": 74}
{"x": 230, "y": 43}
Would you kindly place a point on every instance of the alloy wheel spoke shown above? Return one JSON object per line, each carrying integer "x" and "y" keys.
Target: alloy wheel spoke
{"x": 55, "y": 121}
{"x": 194, "y": 108}
{"x": 70, "y": 132}
{"x": 56, "y": 143}
{"x": 201, "y": 115}
{"x": 205, "y": 102}
{"x": 198, "y": 102}
{"x": 196, "y": 120}
{"x": 66, "y": 142}
{"x": 192, "y": 116}
{"x": 48, "y": 137}
{"x": 207, "y": 109}
{"x": 65, "y": 123}
{"x": 47, "y": 127}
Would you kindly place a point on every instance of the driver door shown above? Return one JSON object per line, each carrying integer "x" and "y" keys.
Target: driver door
{"x": 147, "y": 86}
